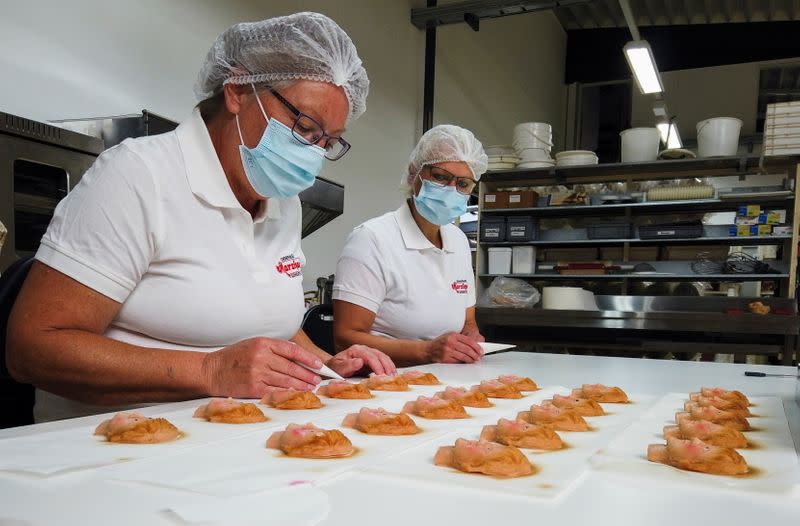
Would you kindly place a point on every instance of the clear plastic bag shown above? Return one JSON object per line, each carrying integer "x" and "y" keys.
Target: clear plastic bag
{"x": 510, "y": 292}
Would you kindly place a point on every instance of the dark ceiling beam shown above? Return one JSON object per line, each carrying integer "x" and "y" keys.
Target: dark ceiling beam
{"x": 648, "y": 8}
{"x": 595, "y": 55}
{"x": 476, "y": 10}
{"x": 594, "y": 13}
{"x": 615, "y": 13}
{"x": 575, "y": 12}
{"x": 562, "y": 14}
{"x": 728, "y": 8}
{"x": 688, "y": 8}
{"x": 669, "y": 12}
{"x": 608, "y": 11}
{"x": 707, "y": 10}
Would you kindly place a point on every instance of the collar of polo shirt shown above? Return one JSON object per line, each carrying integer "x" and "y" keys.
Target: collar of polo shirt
{"x": 204, "y": 171}
{"x": 413, "y": 237}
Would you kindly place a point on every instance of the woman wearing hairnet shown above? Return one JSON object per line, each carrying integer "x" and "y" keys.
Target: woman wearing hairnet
{"x": 173, "y": 270}
{"x": 404, "y": 281}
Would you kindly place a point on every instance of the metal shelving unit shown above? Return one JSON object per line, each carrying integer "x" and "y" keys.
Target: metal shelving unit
{"x": 785, "y": 279}
{"x": 753, "y": 240}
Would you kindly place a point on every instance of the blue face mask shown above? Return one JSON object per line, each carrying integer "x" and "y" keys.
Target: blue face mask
{"x": 440, "y": 204}
{"x": 279, "y": 165}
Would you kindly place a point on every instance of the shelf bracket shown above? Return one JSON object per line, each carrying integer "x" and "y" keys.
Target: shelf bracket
{"x": 742, "y": 167}
{"x": 473, "y": 21}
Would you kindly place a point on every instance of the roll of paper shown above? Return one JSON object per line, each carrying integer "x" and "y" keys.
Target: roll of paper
{"x": 568, "y": 298}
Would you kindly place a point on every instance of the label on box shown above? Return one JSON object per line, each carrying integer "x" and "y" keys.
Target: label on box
{"x": 490, "y": 198}
{"x": 744, "y": 230}
{"x": 744, "y": 220}
{"x": 514, "y": 198}
{"x": 516, "y": 231}
{"x": 764, "y": 230}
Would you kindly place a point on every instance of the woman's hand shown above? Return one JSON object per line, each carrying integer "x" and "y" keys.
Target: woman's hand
{"x": 453, "y": 347}
{"x": 356, "y": 357}
{"x": 251, "y": 368}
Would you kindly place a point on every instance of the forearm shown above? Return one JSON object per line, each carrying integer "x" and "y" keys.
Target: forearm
{"x": 91, "y": 368}
{"x": 470, "y": 326}
{"x": 402, "y": 352}
{"x": 302, "y": 339}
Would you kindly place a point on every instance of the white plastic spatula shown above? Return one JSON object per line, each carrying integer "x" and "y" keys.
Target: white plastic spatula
{"x": 322, "y": 371}
{"x": 491, "y": 348}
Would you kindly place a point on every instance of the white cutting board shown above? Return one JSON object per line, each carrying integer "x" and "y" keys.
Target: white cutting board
{"x": 774, "y": 459}
{"x": 558, "y": 471}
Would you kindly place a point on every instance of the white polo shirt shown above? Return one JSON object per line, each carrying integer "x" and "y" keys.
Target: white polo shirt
{"x": 155, "y": 226}
{"x": 417, "y": 291}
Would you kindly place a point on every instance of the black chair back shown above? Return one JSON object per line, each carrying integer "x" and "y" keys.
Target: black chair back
{"x": 318, "y": 325}
{"x": 16, "y": 399}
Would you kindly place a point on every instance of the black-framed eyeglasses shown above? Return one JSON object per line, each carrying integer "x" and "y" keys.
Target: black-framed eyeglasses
{"x": 441, "y": 177}
{"x": 307, "y": 131}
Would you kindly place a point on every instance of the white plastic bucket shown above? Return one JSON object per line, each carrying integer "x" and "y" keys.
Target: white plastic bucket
{"x": 500, "y": 260}
{"x": 718, "y": 137}
{"x": 523, "y": 259}
{"x": 640, "y": 144}
{"x": 529, "y": 155}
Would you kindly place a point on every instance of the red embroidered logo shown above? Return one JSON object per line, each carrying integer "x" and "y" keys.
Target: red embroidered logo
{"x": 290, "y": 266}
{"x": 460, "y": 286}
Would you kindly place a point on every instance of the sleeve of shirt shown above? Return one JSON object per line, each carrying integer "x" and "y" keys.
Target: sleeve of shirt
{"x": 359, "y": 274}
{"x": 104, "y": 233}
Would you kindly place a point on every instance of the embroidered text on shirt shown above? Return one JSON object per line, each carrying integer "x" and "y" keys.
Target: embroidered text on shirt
{"x": 460, "y": 286}
{"x": 290, "y": 266}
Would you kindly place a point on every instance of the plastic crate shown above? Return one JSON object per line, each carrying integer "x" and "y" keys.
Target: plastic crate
{"x": 610, "y": 231}
{"x": 493, "y": 229}
{"x": 521, "y": 229}
{"x": 693, "y": 229}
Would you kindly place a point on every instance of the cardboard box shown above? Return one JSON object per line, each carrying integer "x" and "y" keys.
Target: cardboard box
{"x": 743, "y": 230}
{"x": 522, "y": 199}
{"x": 774, "y": 217}
{"x": 749, "y": 210}
{"x": 764, "y": 230}
{"x": 782, "y": 230}
{"x": 495, "y": 200}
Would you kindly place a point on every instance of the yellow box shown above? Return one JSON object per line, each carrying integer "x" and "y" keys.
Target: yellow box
{"x": 743, "y": 231}
{"x": 749, "y": 210}
{"x": 776, "y": 217}
{"x": 764, "y": 230}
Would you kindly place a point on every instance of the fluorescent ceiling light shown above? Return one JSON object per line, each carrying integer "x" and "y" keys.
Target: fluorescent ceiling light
{"x": 669, "y": 135}
{"x": 643, "y": 65}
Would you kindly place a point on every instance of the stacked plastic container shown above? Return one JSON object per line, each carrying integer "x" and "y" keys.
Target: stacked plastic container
{"x": 533, "y": 142}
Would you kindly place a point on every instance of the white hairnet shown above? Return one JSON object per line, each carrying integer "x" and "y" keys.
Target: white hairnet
{"x": 446, "y": 143}
{"x": 307, "y": 46}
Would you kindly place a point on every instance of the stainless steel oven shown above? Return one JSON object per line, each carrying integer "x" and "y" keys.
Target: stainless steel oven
{"x": 39, "y": 165}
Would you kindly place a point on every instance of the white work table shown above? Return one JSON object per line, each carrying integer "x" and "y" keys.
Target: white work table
{"x": 362, "y": 498}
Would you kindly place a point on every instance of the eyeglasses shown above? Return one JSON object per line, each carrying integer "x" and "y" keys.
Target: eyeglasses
{"x": 308, "y": 131}
{"x": 441, "y": 177}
